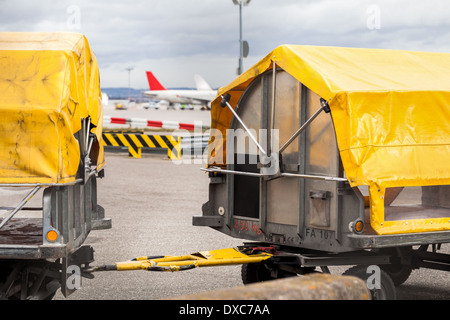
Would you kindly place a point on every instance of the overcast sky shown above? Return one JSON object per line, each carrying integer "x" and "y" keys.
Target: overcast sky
{"x": 178, "y": 38}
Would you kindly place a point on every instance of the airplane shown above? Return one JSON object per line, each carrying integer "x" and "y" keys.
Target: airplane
{"x": 203, "y": 95}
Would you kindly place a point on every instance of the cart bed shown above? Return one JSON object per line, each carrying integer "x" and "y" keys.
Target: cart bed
{"x": 22, "y": 231}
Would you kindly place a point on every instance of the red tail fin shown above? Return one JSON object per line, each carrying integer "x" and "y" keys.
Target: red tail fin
{"x": 153, "y": 82}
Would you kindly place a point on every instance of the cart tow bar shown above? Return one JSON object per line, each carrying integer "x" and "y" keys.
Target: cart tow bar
{"x": 221, "y": 257}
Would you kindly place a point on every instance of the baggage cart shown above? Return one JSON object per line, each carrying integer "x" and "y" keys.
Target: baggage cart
{"x": 51, "y": 154}
{"x": 326, "y": 156}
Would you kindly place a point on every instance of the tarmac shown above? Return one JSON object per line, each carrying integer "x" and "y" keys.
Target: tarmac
{"x": 151, "y": 202}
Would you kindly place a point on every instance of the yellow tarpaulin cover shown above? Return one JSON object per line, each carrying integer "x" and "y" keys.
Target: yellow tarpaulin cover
{"x": 48, "y": 83}
{"x": 391, "y": 112}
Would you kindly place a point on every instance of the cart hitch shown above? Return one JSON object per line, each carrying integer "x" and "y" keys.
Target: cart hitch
{"x": 221, "y": 257}
{"x": 272, "y": 250}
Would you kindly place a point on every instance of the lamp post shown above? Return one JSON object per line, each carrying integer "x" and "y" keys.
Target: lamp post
{"x": 129, "y": 81}
{"x": 243, "y": 50}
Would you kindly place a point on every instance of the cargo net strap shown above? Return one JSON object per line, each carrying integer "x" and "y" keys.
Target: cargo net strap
{"x": 221, "y": 257}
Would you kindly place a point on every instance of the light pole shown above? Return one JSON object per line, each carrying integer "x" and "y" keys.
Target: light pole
{"x": 129, "y": 80}
{"x": 243, "y": 50}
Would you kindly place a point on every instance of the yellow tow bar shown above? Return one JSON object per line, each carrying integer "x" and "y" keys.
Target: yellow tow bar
{"x": 221, "y": 257}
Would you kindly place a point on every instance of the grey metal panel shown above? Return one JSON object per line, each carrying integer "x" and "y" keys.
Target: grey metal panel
{"x": 282, "y": 197}
{"x": 283, "y": 202}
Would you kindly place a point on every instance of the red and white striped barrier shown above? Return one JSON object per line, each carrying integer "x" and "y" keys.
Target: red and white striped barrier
{"x": 153, "y": 123}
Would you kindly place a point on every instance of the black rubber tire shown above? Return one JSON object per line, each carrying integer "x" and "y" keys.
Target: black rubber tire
{"x": 387, "y": 288}
{"x": 262, "y": 271}
{"x": 399, "y": 273}
{"x": 255, "y": 272}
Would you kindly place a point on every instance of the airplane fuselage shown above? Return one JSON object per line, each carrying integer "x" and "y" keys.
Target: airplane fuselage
{"x": 183, "y": 96}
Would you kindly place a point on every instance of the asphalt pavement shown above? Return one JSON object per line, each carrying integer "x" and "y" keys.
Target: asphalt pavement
{"x": 151, "y": 202}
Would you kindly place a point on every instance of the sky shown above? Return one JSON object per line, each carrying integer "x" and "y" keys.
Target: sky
{"x": 176, "y": 39}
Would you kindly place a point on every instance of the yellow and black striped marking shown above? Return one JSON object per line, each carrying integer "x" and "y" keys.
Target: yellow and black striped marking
{"x": 135, "y": 142}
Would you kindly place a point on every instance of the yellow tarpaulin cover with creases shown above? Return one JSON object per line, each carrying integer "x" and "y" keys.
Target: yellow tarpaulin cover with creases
{"x": 48, "y": 83}
{"x": 391, "y": 113}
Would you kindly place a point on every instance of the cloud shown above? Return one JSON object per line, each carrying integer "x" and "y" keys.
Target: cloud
{"x": 178, "y": 38}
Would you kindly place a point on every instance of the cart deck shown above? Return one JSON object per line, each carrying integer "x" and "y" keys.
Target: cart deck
{"x": 22, "y": 231}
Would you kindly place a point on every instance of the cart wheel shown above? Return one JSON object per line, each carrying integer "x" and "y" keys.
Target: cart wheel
{"x": 387, "y": 287}
{"x": 46, "y": 291}
{"x": 399, "y": 273}
{"x": 255, "y": 272}
{"x": 261, "y": 271}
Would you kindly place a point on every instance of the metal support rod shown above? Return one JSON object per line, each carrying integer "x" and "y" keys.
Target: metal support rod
{"x": 224, "y": 100}
{"x": 301, "y": 129}
{"x": 272, "y": 115}
{"x": 87, "y": 159}
{"x": 292, "y": 175}
{"x": 241, "y": 46}
{"x": 90, "y": 146}
{"x": 242, "y": 173}
{"x": 87, "y": 134}
{"x": 41, "y": 184}
{"x": 20, "y": 206}
{"x": 308, "y": 176}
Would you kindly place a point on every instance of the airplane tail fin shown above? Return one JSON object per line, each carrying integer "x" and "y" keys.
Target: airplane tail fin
{"x": 153, "y": 82}
{"x": 201, "y": 83}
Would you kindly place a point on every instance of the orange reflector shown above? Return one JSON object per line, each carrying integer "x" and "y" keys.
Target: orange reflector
{"x": 359, "y": 225}
{"x": 52, "y": 235}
